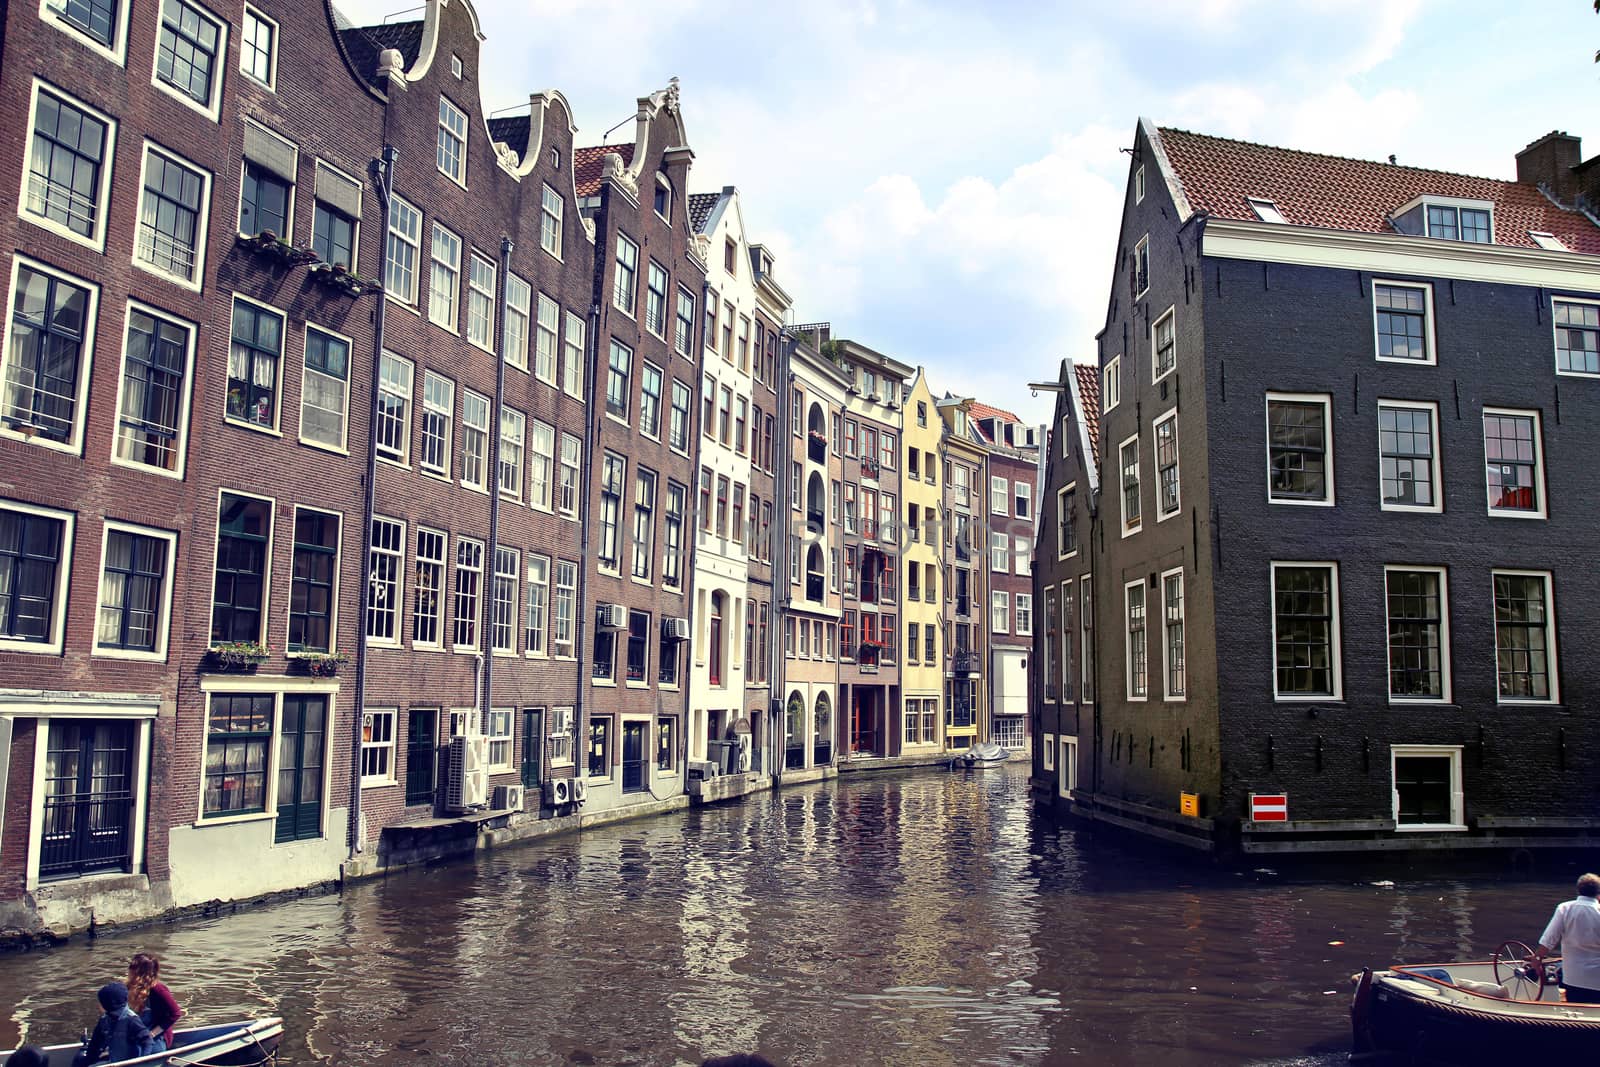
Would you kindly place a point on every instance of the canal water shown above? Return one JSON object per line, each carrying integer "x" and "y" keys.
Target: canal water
{"x": 902, "y": 919}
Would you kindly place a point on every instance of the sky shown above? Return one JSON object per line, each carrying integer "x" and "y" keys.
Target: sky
{"x": 943, "y": 180}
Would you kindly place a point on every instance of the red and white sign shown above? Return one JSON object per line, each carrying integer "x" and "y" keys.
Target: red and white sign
{"x": 1269, "y": 807}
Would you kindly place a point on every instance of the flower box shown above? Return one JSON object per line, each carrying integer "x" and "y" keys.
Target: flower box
{"x": 269, "y": 245}
{"x": 243, "y": 656}
{"x": 319, "y": 664}
{"x": 334, "y": 276}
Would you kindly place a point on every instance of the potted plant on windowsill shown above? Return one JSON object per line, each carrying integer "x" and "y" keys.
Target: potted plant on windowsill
{"x": 338, "y": 278}
{"x": 320, "y": 664}
{"x": 237, "y": 655}
{"x": 269, "y": 245}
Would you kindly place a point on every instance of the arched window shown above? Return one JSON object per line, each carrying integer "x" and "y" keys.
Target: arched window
{"x": 816, "y": 502}
{"x": 815, "y": 578}
{"x": 822, "y": 731}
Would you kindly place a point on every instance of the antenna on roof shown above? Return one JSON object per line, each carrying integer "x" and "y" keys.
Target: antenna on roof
{"x": 403, "y": 11}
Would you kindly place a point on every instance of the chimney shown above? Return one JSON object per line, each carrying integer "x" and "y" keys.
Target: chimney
{"x": 1549, "y": 163}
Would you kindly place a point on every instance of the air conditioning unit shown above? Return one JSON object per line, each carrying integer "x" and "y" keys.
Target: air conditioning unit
{"x": 580, "y": 791}
{"x": 611, "y": 617}
{"x": 700, "y": 770}
{"x": 467, "y": 778}
{"x": 675, "y": 629}
{"x": 558, "y": 792}
{"x": 507, "y": 798}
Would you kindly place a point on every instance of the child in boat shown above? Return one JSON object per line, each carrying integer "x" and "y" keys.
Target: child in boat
{"x": 152, "y": 1000}
{"x": 119, "y": 1031}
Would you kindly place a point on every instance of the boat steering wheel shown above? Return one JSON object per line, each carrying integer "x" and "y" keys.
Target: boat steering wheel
{"x": 1519, "y": 970}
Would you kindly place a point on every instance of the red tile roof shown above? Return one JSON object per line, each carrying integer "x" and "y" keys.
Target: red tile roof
{"x": 588, "y": 164}
{"x": 984, "y": 411}
{"x": 1218, "y": 174}
{"x": 1089, "y": 393}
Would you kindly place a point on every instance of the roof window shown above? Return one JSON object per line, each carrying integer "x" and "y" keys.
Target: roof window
{"x": 1266, "y": 210}
{"x": 1453, "y": 222}
{"x": 1548, "y": 240}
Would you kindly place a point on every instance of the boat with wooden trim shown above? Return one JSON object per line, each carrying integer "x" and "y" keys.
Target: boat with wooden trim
{"x": 1474, "y": 1012}
{"x": 248, "y": 1043}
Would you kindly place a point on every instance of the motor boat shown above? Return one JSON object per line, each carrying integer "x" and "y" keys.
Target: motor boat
{"x": 249, "y": 1043}
{"x": 1474, "y": 1012}
{"x": 986, "y": 754}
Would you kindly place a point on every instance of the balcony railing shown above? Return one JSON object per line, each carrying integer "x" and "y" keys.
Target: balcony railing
{"x": 963, "y": 550}
{"x": 815, "y": 518}
{"x": 816, "y": 447}
{"x": 821, "y": 753}
{"x": 964, "y": 662}
{"x": 963, "y": 605}
{"x": 814, "y": 585}
{"x": 869, "y": 467}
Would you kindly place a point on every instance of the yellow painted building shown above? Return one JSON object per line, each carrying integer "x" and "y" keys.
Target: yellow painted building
{"x": 921, "y": 603}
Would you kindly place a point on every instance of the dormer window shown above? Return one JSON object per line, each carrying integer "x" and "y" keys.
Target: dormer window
{"x": 1266, "y": 210}
{"x": 1454, "y": 223}
{"x": 1548, "y": 241}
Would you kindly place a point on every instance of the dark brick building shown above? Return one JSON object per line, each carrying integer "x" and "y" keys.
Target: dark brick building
{"x": 1343, "y": 564}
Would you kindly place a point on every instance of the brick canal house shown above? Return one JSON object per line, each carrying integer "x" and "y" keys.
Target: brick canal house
{"x": 813, "y": 551}
{"x": 966, "y": 577}
{"x": 1395, "y": 622}
{"x": 764, "y": 676}
{"x": 1010, "y": 508}
{"x": 1061, "y": 671}
{"x": 638, "y": 555}
{"x": 922, "y": 673}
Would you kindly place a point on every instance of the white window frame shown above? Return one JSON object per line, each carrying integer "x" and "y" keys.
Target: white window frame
{"x": 542, "y": 492}
{"x": 546, "y": 339}
{"x": 219, "y": 685}
{"x": 1111, "y": 384}
{"x": 1429, "y": 336}
{"x": 342, "y": 448}
{"x": 1553, "y": 670}
{"x": 1127, "y": 643}
{"x": 58, "y": 610}
{"x": 1023, "y": 603}
{"x": 1329, "y": 496}
{"x": 1064, "y": 520}
{"x": 409, "y": 397}
{"x": 1138, "y": 185}
{"x": 96, "y": 240}
{"x": 271, "y": 81}
{"x": 1177, "y": 466}
{"x": 629, "y": 309}
{"x": 1067, "y": 766}
{"x": 1129, "y": 531}
{"x": 219, "y": 67}
{"x": 1540, "y": 497}
{"x": 1432, "y": 408}
{"x": 335, "y": 173}
{"x": 1049, "y": 751}
{"x": 1444, "y": 634}
{"x": 1183, "y": 625}
{"x": 266, "y": 564}
{"x": 399, "y": 556}
{"x": 1457, "y": 793}
{"x": 181, "y": 444}
{"x": 572, "y": 368}
{"x": 483, "y": 297}
{"x": 1141, "y": 248}
{"x": 999, "y": 611}
{"x": 553, "y": 215}
{"x": 449, "y": 413}
{"x": 443, "y": 591}
{"x": 513, "y": 433}
{"x": 1456, "y": 202}
{"x": 367, "y": 714}
{"x": 116, "y": 51}
{"x": 519, "y": 308}
{"x": 1021, "y": 556}
{"x": 202, "y": 218}
{"x": 535, "y": 562}
{"x": 290, "y": 200}
{"x": 999, "y": 495}
{"x": 413, "y": 241}
{"x": 436, "y": 293}
{"x": 513, "y": 615}
{"x": 338, "y": 562}
{"x": 1555, "y": 340}
{"x": 1171, "y": 314}
{"x": 1266, "y": 210}
{"x": 496, "y": 736}
{"x": 486, "y": 460}
{"x": 1335, "y": 625}
{"x": 448, "y": 109}
{"x": 277, "y": 386}
{"x": 478, "y": 597}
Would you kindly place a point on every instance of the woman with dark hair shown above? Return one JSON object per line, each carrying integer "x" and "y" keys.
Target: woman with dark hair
{"x": 28, "y": 1056}
{"x": 152, "y": 1000}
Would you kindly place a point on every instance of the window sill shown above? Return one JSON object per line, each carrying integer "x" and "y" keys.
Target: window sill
{"x": 1493, "y": 514}
{"x": 378, "y": 783}
{"x": 404, "y": 305}
{"x": 1289, "y": 502}
{"x": 603, "y": 683}
{"x": 1431, "y": 828}
{"x": 129, "y": 655}
{"x": 188, "y": 284}
{"x": 337, "y": 450}
{"x": 232, "y": 820}
{"x": 436, "y": 475}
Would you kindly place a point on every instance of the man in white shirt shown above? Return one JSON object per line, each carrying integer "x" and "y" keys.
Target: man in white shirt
{"x": 1575, "y": 930}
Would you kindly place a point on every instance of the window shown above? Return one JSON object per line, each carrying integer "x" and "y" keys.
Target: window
{"x": 469, "y": 576}
{"x": 152, "y": 406}
{"x": 541, "y": 466}
{"x": 1022, "y": 498}
{"x": 1514, "y": 455}
{"x": 666, "y": 744}
{"x": 1022, "y": 555}
{"x": 722, "y": 505}
{"x": 266, "y": 199}
{"x": 102, "y": 22}
{"x": 930, "y": 652}
{"x": 438, "y": 413}
{"x": 1086, "y": 640}
{"x": 639, "y": 646}
{"x": 1111, "y": 384}
{"x": 618, "y": 392}
{"x": 513, "y": 436}
{"x": 1455, "y": 223}
{"x": 385, "y": 588}
{"x": 1299, "y": 449}
{"x": 1577, "y": 328}
{"x": 683, "y": 331}
{"x": 572, "y": 364}
{"x": 1141, "y": 267}
{"x": 1172, "y": 607}
{"x": 544, "y": 366}
{"x": 35, "y": 559}
{"x": 604, "y": 670}
{"x": 1266, "y": 210}
{"x": 886, "y": 451}
{"x": 1524, "y": 637}
{"x": 1132, "y": 518}
{"x": 644, "y": 522}
{"x": 258, "y": 47}
{"x": 239, "y": 586}
{"x": 503, "y": 620}
{"x": 1000, "y": 611}
{"x": 1410, "y": 476}
{"x": 611, "y": 483}
{"x": 999, "y": 552}
{"x": 428, "y": 615}
{"x": 313, "y": 581}
{"x": 475, "y": 441}
{"x": 571, "y": 464}
{"x": 1305, "y": 630}
{"x": 238, "y": 740}
{"x": 68, "y": 167}
{"x": 599, "y": 748}
{"x": 1419, "y": 642}
{"x": 625, "y": 282}
{"x": 480, "y": 302}
{"x": 393, "y": 432}
{"x": 1548, "y": 241}
{"x": 1402, "y": 315}
{"x": 444, "y": 281}
{"x": 563, "y": 628}
{"x": 1024, "y": 627}
{"x": 187, "y": 51}
{"x": 650, "y": 401}
{"x": 171, "y": 232}
{"x": 1427, "y": 787}
{"x": 47, "y": 356}
{"x": 561, "y": 730}
{"x": 551, "y": 208}
{"x": 725, "y": 415}
{"x": 401, "y": 250}
{"x": 1137, "y": 651}
{"x": 253, "y": 364}
{"x": 999, "y": 496}
{"x": 741, "y": 415}
{"x": 452, "y": 154}
{"x": 672, "y": 562}
{"x": 1138, "y": 186}
{"x": 1066, "y": 530}
{"x": 499, "y": 733}
{"x": 377, "y": 747}
{"x": 519, "y": 301}
{"x": 668, "y": 653}
{"x": 134, "y": 593}
{"x": 679, "y": 426}
{"x": 534, "y": 628}
{"x": 1047, "y": 647}
{"x": 655, "y": 300}
{"x": 1164, "y": 344}
{"x": 1166, "y": 432}
{"x": 333, "y": 233}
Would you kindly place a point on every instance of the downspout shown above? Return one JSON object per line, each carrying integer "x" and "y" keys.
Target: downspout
{"x": 692, "y": 534}
{"x": 384, "y": 173}
{"x": 485, "y": 638}
{"x": 775, "y": 654}
{"x": 585, "y": 509}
